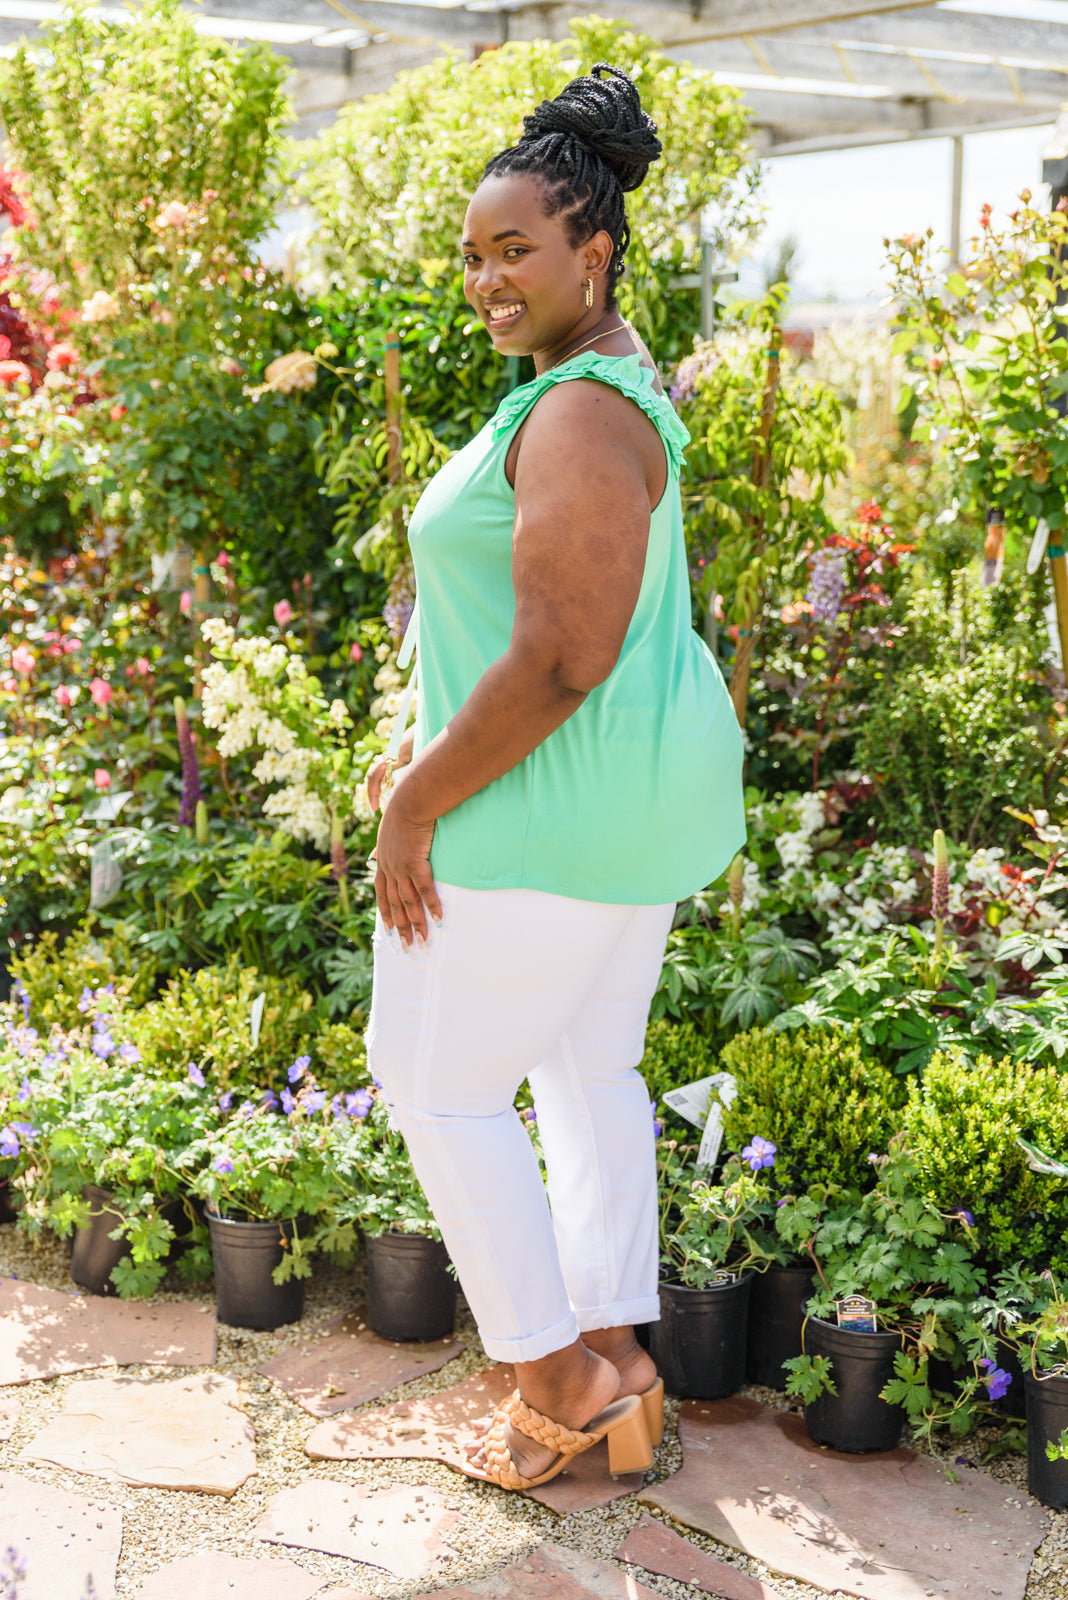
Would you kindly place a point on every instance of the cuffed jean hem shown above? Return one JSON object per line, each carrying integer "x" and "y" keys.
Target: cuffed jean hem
{"x": 536, "y": 1345}
{"x": 624, "y": 1314}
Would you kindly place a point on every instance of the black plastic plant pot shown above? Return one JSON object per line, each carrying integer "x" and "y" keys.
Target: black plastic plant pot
{"x": 411, "y": 1294}
{"x": 1047, "y": 1418}
{"x": 245, "y": 1255}
{"x": 699, "y": 1343}
{"x": 776, "y": 1317}
{"x": 93, "y": 1254}
{"x": 7, "y": 1202}
{"x": 855, "y": 1419}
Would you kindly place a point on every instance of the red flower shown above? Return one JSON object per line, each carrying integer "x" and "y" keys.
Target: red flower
{"x": 870, "y": 511}
{"x": 12, "y": 372}
{"x": 60, "y": 356}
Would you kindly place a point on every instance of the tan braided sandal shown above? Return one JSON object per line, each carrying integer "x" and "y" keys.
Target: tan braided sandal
{"x": 622, "y": 1423}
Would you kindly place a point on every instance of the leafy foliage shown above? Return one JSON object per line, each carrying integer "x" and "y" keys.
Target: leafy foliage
{"x": 963, "y": 1120}
{"x": 786, "y": 1083}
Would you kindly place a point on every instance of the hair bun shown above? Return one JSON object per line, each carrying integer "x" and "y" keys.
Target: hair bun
{"x": 604, "y": 113}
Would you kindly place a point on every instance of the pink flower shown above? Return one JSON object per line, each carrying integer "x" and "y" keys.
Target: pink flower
{"x": 23, "y": 660}
{"x": 185, "y": 603}
{"x": 102, "y": 778}
{"x": 984, "y": 216}
{"x": 60, "y": 356}
{"x": 144, "y": 666}
{"x": 12, "y": 372}
{"x": 71, "y": 644}
{"x": 222, "y": 559}
{"x": 100, "y": 690}
{"x": 355, "y": 654}
{"x": 232, "y": 368}
{"x": 63, "y": 695}
{"x": 174, "y": 215}
{"x": 117, "y": 412}
{"x": 9, "y": 685}
{"x": 283, "y": 613}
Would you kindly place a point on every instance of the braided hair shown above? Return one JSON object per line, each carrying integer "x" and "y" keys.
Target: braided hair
{"x": 587, "y": 147}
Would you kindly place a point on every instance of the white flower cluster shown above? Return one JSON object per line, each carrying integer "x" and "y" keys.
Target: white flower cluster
{"x": 242, "y": 702}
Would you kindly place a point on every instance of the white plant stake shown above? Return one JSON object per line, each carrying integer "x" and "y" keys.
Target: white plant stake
{"x": 256, "y": 1017}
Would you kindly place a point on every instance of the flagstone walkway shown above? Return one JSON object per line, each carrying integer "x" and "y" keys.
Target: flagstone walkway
{"x": 169, "y": 1458}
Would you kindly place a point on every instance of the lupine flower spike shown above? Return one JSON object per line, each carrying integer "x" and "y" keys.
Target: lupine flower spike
{"x": 735, "y": 890}
{"x": 190, "y": 766}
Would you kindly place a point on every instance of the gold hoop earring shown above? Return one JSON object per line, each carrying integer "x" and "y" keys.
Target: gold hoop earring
{"x": 589, "y": 292}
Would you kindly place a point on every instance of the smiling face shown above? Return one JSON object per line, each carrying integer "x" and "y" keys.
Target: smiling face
{"x": 522, "y": 274}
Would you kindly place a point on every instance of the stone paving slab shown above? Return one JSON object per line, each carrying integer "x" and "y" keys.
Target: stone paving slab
{"x": 9, "y": 1416}
{"x": 399, "y": 1530}
{"x": 163, "y": 1433}
{"x": 62, "y": 1539}
{"x": 214, "y": 1576}
{"x": 344, "y": 1364}
{"x": 550, "y": 1573}
{"x": 663, "y": 1551}
{"x": 436, "y": 1429}
{"x": 44, "y": 1334}
{"x": 885, "y": 1526}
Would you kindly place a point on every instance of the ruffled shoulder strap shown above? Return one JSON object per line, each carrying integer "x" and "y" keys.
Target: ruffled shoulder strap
{"x": 625, "y": 373}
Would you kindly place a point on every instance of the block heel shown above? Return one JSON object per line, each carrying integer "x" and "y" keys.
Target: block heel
{"x": 629, "y": 1448}
{"x": 652, "y": 1400}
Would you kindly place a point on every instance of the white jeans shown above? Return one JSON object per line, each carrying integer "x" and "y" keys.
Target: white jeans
{"x": 518, "y": 984}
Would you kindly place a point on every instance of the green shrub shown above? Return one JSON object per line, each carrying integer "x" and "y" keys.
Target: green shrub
{"x": 963, "y": 1121}
{"x": 823, "y": 1103}
{"x": 206, "y": 1017}
{"x": 54, "y": 974}
{"x": 675, "y": 1053}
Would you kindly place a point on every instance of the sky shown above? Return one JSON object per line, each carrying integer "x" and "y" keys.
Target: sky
{"x": 841, "y": 204}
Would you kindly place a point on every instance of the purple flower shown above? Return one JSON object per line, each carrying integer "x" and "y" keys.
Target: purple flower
{"x": 996, "y": 1379}
{"x": 223, "y": 1163}
{"x": 129, "y": 1052}
{"x": 967, "y": 1218}
{"x": 9, "y": 1144}
{"x": 359, "y": 1104}
{"x": 246, "y": 1108}
{"x": 826, "y": 586}
{"x": 26, "y": 1130}
{"x": 195, "y": 1075}
{"x": 288, "y": 1102}
{"x": 779, "y": 1204}
{"x": 103, "y": 1045}
{"x": 398, "y": 608}
{"x": 101, "y": 1023}
{"x": 940, "y": 880}
{"x": 298, "y": 1069}
{"x": 658, "y": 1126}
{"x": 86, "y": 1001}
{"x": 316, "y": 1101}
{"x": 22, "y": 995}
{"x": 24, "y": 1039}
{"x": 269, "y": 1100}
{"x": 225, "y": 1099}
{"x": 761, "y": 1153}
{"x": 190, "y": 767}
{"x": 24, "y": 1088}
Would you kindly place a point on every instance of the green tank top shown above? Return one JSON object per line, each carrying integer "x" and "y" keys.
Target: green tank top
{"x": 637, "y": 798}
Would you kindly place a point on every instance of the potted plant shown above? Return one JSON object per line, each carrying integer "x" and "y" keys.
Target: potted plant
{"x": 713, "y": 1238}
{"x": 1043, "y": 1336}
{"x": 411, "y": 1286}
{"x": 267, "y": 1173}
{"x": 896, "y": 1281}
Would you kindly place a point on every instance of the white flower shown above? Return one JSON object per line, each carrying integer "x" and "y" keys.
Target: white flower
{"x": 811, "y": 814}
{"x": 218, "y": 632}
{"x": 794, "y": 849}
{"x": 826, "y": 893}
{"x": 100, "y": 307}
{"x": 870, "y": 915}
{"x": 338, "y": 715}
{"x": 361, "y": 806}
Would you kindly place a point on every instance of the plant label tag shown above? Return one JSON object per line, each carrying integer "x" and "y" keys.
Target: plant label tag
{"x": 105, "y": 876}
{"x": 1038, "y": 547}
{"x": 722, "y": 1276}
{"x": 1059, "y": 1371}
{"x": 256, "y": 1017}
{"x": 858, "y": 1313}
{"x": 694, "y": 1102}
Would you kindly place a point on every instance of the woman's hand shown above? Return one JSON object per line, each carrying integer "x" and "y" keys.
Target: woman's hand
{"x": 404, "y": 883}
{"x": 377, "y": 772}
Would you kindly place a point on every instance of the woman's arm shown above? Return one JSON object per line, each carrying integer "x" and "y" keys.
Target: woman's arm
{"x": 590, "y": 467}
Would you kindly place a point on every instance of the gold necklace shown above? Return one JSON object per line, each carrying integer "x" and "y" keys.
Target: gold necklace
{"x": 602, "y": 335}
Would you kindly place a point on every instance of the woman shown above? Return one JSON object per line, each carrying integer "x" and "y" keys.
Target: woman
{"x": 574, "y": 771}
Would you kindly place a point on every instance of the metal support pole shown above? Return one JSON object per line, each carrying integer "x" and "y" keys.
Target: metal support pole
{"x": 956, "y": 199}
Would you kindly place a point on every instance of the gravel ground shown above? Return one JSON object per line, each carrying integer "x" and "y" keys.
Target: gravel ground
{"x": 496, "y": 1530}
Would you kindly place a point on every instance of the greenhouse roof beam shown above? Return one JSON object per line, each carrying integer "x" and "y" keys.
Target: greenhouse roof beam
{"x": 968, "y": 32}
